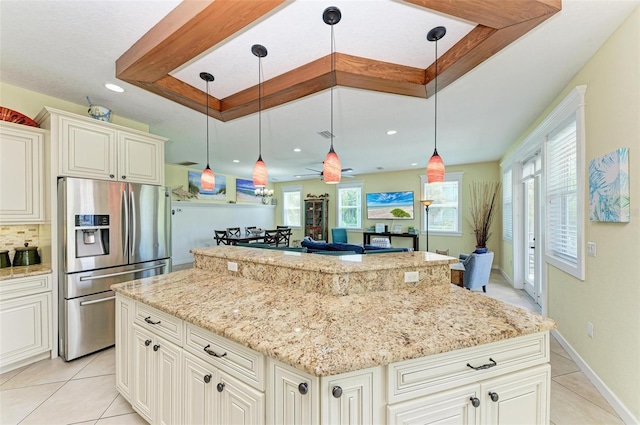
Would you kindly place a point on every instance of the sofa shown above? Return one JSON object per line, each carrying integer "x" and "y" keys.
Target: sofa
{"x": 314, "y": 246}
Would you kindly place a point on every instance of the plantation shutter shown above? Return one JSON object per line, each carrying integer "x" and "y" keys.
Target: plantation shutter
{"x": 561, "y": 192}
{"x": 507, "y": 205}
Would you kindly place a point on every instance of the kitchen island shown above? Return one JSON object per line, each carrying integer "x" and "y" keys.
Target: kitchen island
{"x": 208, "y": 345}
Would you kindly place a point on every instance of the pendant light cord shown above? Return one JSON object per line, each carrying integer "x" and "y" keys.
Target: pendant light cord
{"x": 435, "y": 124}
{"x": 207, "y": 104}
{"x": 332, "y": 80}
{"x": 259, "y": 108}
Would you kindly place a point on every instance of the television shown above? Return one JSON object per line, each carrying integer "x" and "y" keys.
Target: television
{"x": 390, "y": 206}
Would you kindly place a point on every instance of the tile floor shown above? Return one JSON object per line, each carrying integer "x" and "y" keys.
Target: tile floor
{"x": 83, "y": 391}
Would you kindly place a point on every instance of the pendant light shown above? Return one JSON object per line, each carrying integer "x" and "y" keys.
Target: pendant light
{"x": 331, "y": 168}
{"x": 207, "y": 178}
{"x": 435, "y": 167}
{"x": 260, "y": 175}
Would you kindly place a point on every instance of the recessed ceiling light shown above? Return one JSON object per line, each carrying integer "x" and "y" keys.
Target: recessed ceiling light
{"x": 297, "y": 150}
{"x": 236, "y": 160}
{"x": 114, "y": 88}
{"x": 414, "y": 164}
{"x": 391, "y": 132}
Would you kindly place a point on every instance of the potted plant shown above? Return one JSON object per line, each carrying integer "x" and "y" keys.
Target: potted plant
{"x": 484, "y": 202}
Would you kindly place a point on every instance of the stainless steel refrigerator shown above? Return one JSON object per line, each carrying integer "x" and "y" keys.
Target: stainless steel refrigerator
{"x": 110, "y": 232}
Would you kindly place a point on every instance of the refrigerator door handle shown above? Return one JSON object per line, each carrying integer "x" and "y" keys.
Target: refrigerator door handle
{"x": 124, "y": 217}
{"x": 104, "y": 276}
{"x": 133, "y": 221}
{"x": 101, "y": 300}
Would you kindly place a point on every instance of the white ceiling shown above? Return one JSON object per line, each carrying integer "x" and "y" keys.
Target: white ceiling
{"x": 68, "y": 49}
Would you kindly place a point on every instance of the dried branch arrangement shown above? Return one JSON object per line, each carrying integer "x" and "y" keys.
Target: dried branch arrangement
{"x": 484, "y": 202}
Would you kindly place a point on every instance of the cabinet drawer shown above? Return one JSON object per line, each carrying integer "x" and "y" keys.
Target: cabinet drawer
{"x": 235, "y": 359}
{"x": 160, "y": 323}
{"x": 419, "y": 377}
{"x": 19, "y": 287}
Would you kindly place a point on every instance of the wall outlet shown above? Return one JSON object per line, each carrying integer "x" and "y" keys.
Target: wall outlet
{"x": 590, "y": 329}
{"x": 411, "y": 277}
{"x": 591, "y": 249}
{"x": 232, "y": 267}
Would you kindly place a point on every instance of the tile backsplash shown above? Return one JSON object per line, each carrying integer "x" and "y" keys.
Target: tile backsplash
{"x": 13, "y": 236}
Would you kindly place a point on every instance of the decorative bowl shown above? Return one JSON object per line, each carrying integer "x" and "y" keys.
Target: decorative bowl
{"x": 101, "y": 113}
{"x": 10, "y": 115}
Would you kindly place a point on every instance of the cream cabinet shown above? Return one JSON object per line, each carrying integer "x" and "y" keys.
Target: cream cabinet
{"x": 22, "y": 188}
{"x": 25, "y": 321}
{"x": 124, "y": 321}
{"x": 94, "y": 149}
{"x": 293, "y": 396}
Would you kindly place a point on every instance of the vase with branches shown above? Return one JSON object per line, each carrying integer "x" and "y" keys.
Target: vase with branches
{"x": 484, "y": 203}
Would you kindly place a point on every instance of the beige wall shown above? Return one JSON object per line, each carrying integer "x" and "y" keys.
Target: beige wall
{"x": 609, "y": 297}
{"x": 31, "y": 103}
{"x": 404, "y": 181}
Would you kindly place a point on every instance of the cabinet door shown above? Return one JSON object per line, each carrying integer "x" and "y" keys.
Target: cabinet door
{"x": 24, "y": 325}
{"x": 240, "y": 404}
{"x": 518, "y": 398}
{"x": 450, "y": 407}
{"x": 124, "y": 320}
{"x": 140, "y": 159}
{"x": 292, "y": 397}
{"x": 21, "y": 175}
{"x": 168, "y": 383}
{"x": 143, "y": 382}
{"x": 87, "y": 150}
{"x": 200, "y": 392}
{"x": 353, "y": 398}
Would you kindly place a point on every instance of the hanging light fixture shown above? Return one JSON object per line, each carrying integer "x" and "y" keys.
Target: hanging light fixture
{"x": 260, "y": 175}
{"x": 331, "y": 168}
{"x": 435, "y": 167}
{"x": 207, "y": 178}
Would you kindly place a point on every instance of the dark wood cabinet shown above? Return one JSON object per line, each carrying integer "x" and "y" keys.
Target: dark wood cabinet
{"x": 316, "y": 218}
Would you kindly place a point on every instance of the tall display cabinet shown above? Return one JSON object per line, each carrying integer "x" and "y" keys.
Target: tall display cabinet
{"x": 316, "y": 217}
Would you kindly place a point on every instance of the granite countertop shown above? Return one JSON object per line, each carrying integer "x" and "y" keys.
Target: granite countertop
{"x": 326, "y": 335}
{"x": 24, "y": 271}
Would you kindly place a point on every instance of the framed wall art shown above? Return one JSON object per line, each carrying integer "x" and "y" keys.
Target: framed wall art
{"x": 609, "y": 187}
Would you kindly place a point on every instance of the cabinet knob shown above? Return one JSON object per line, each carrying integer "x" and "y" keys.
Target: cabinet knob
{"x": 220, "y": 387}
{"x": 124, "y": 177}
{"x": 303, "y": 388}
{"x": 475, "y": 401}
{"x": 336, "y": 391}
{"x": 494, "y": 396}
{"x": 111, "y": 175}
{"x": 156, "y": 347}
{"x": 147, "y": 342}
{"x": 207, "y": 378}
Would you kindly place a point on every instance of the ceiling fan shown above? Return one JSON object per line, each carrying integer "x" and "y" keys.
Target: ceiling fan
{"x": 320, "y": 173}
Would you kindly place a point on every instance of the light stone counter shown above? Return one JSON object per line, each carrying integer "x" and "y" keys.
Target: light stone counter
{"x": 24, "y": 271}
{"x": 327, "y": 334}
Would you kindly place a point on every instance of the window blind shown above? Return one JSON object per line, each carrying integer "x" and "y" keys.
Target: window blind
{"x": 507, "y": 205}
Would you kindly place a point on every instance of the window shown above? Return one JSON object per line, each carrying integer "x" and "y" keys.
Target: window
{"x": 349, "y": 205}
{"x": 291, "y": 206}
{"x": 507, "y": 205}
{"x": 444, "y": 213}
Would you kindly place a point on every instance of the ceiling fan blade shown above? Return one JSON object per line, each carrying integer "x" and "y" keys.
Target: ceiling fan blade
{"x": 347, "y": 169}
{"x": 311, "y": 169}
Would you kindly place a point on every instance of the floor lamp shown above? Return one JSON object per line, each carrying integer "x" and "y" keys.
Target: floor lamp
{"x": 426, "y": 204}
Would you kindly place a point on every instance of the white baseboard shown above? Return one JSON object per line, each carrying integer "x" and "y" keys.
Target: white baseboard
{"x": 506, "y": 276}
{"x": 624, "y": 413}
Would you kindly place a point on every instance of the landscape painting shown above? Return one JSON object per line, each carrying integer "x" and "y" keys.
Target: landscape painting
{"x": 609, "y": 187}
{"x": 219, "y": 192}
{"x": 390, "y": 205}
{"x": 245, "y": 192}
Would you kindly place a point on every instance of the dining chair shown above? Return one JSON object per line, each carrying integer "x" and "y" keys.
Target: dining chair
{"x": 246, "y": 230}
{"x": 233, "y": 231}
{"x": 339, "y": 235}
{"x": 221, "y": 237}
{"x": 283, "y": 236}
{"x": 271, "y": 237}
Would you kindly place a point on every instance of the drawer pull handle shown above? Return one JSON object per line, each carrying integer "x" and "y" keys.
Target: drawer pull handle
{"x": 336, "y": 392}
{"x": 207, "y": 378}
{"x": 494, "y": 396}
{"x": 213, "y": 353}
{"x": 147, "y": 343}
{"x": 303, "y": 388}
{"x": 484, "y": 366}
{"x": 151, "y": 322}
{"x": 220, "y": 387}
{"x": 156, "y": 347}
{"x": 475, "y": 401}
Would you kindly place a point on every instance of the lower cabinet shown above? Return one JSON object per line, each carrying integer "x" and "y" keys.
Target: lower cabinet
{"x": 293, "y": 396}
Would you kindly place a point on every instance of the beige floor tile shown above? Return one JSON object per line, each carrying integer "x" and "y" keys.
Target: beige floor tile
{"x": 557, "y": 348}
{"x": 580, "y": 384}
{"x": 568, "y": 408}
{"x": 46, "y": 372}
{"x": 77, "y": 401}
{"x": 85, "y": 423}
{"x": 104, "y": 363}
{"x": 130, "y": 419}
{"x": 8, "y": 375}
{"x": 561, "y": 365}
{"x": 120, "y": 406}
{"x": 16, "y": 404}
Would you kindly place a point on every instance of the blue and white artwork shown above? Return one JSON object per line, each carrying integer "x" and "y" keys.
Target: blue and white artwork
{"x": 609, "y": 187}
{"x": 219, "y": 192}
{"x": 245, "y": 191}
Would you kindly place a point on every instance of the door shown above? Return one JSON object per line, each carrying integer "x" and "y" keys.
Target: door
{"x": 352, "y": 398}
{"x": 140, "y": 158}
{"x": 87, "y": 150}
{"x": 199, "y": 399}
{"x": 150, "y": 226}
{"x": 531, "y": 259}
{"x": 292, "y": 397}
{"x": 240, "y": 404}
{"x": 168, "y": 382}
{"x": 143, "y": 382}
{"x": 89, "y": 324}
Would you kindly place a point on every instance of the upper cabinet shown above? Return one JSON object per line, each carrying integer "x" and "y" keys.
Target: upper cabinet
{"x": 94, "y": 149}
{"x": 22, "y": 189}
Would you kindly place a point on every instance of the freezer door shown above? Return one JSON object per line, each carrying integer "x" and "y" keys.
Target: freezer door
{"x": 150, "y": 223}
{"x": 92, "y": 224}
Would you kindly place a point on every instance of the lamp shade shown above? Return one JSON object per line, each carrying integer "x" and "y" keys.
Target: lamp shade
{"x": 260, "y": 173}
{"x": 332, "y": 170}
{"x": 207, "y": 179}
{"x": 435, "y": 169}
